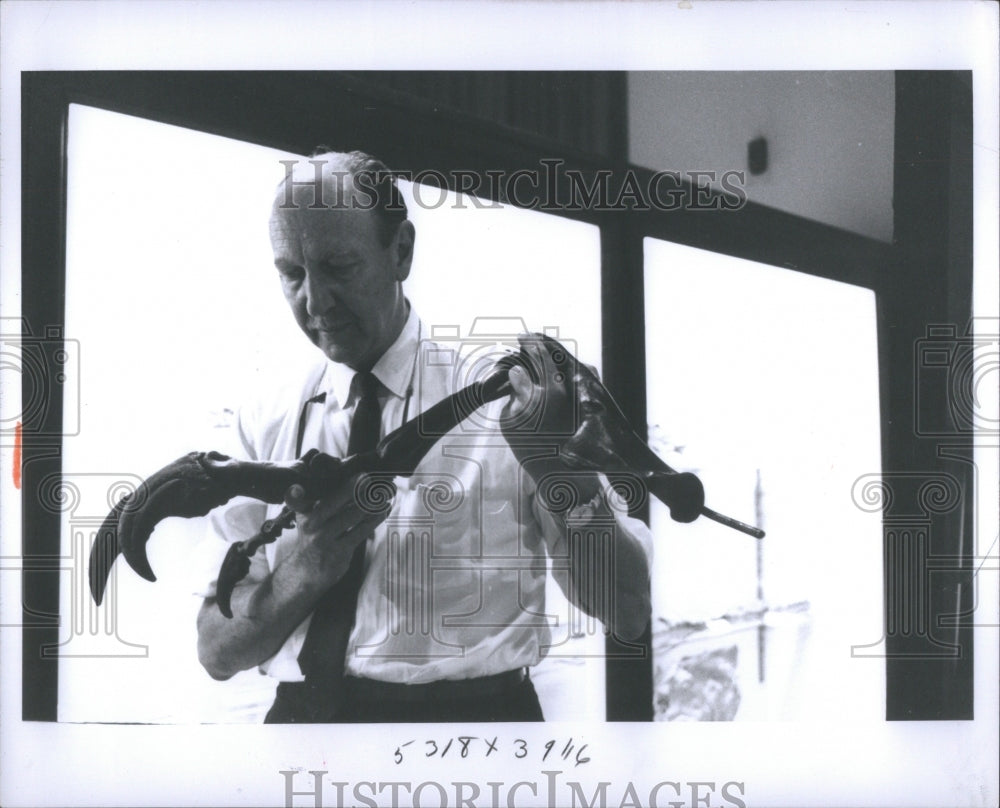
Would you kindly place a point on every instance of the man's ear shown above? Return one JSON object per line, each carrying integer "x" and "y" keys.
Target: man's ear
{"x": 402, "y": 246}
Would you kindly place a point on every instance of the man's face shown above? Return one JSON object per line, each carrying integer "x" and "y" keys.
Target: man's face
{"x": 342, "y": 284}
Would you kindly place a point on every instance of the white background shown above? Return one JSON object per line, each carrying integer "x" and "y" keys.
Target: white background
{"x": 828, "y": 763}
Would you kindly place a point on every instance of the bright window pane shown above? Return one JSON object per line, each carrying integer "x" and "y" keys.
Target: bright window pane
{"x": 171, "y": 293}
{"x": 764, "y": 381}
{"x": 500, "y": 263}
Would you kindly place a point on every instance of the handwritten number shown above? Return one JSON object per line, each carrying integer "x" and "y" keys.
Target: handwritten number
{"x": 432, "y": 749}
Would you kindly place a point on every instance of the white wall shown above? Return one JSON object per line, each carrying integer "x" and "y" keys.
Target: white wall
{"x": 829, "y": 134}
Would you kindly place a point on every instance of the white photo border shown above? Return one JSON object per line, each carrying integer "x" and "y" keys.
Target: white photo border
{"x": 894, "y": 763}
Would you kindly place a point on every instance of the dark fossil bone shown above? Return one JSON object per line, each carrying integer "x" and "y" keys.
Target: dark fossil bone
{"x": 197, "y": 483}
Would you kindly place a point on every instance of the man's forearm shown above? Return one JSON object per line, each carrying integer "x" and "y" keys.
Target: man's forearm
{"x": 616, "y": 593}
{"x": 622, "y": 589}
{"x": 271, "y": 604}
{"x": 630, "y": 587}
{"x": 265, "y": 613}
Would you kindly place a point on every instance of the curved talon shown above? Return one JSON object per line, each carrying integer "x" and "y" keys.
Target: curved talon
{"x": 236, "y": 564}
{"x": 105, "y": 550}
{"x": 192, "y": 485}
{"x": 234, "y": 569}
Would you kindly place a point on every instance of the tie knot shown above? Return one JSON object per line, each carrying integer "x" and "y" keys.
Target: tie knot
{"x": 366, "y": 384}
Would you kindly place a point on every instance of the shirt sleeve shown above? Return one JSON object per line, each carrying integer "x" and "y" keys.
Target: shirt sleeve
{"x": 629, "y": 534}
{"x": 237, "y": 520}
{"x": 630, "y": 528}
{"x": 258, "y": 433}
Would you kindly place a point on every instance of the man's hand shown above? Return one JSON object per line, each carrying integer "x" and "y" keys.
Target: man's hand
{"x": 540, "y": 417}
{"x": 332, "y": 527}
{"x": 543, "y": 414}
{"x": 269, "y": 604}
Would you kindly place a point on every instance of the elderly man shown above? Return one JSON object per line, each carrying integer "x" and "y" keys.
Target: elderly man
{"x": 432, "y": 609}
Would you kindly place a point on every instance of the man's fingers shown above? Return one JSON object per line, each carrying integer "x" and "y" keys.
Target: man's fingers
{"x": 525, "y": 399}
{"x": 295, "y": 498}
{"x": 332, "y": 522}
{"x": 534, "y": 354}
{"x": 359, "y": 498}
{"x": 522, "y": 387}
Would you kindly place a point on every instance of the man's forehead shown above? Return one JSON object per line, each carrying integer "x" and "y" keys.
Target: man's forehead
{"x": 309, "y": 187}
{"x": 334, "y": 232}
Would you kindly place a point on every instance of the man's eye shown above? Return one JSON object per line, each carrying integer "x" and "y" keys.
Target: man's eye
{"x": 292, "y": 274}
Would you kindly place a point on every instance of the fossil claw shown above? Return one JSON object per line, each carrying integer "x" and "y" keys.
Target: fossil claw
{"x": 599, "y": 440}
{"x": 234, "y": 569}
{"x": 603, "y": 441}
{"x": 104, "y": 551}
{"x": 190, "y": 486}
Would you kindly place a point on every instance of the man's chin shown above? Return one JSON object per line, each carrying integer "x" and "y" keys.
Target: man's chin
{"x": 344, "y": 352}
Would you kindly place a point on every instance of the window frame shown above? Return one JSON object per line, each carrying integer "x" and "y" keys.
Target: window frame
{"x": 295, "y": 111}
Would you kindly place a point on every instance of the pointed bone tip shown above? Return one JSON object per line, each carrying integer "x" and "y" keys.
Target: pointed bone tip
{"x": 102, "y": 558}
{"x": 97, "y": 590}
{"x": 140, "y": 564}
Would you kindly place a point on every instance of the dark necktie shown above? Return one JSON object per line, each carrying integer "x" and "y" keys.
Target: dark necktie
{"x": 323, "y": 653}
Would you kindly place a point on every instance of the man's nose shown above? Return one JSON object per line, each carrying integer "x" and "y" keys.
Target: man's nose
{"x": 319, "y": 294}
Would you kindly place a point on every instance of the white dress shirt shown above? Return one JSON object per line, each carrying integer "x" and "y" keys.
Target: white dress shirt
{"x": 455, "y": 577}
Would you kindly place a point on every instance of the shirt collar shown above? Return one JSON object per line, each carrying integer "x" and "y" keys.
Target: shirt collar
{"x": 393, "y": 369}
